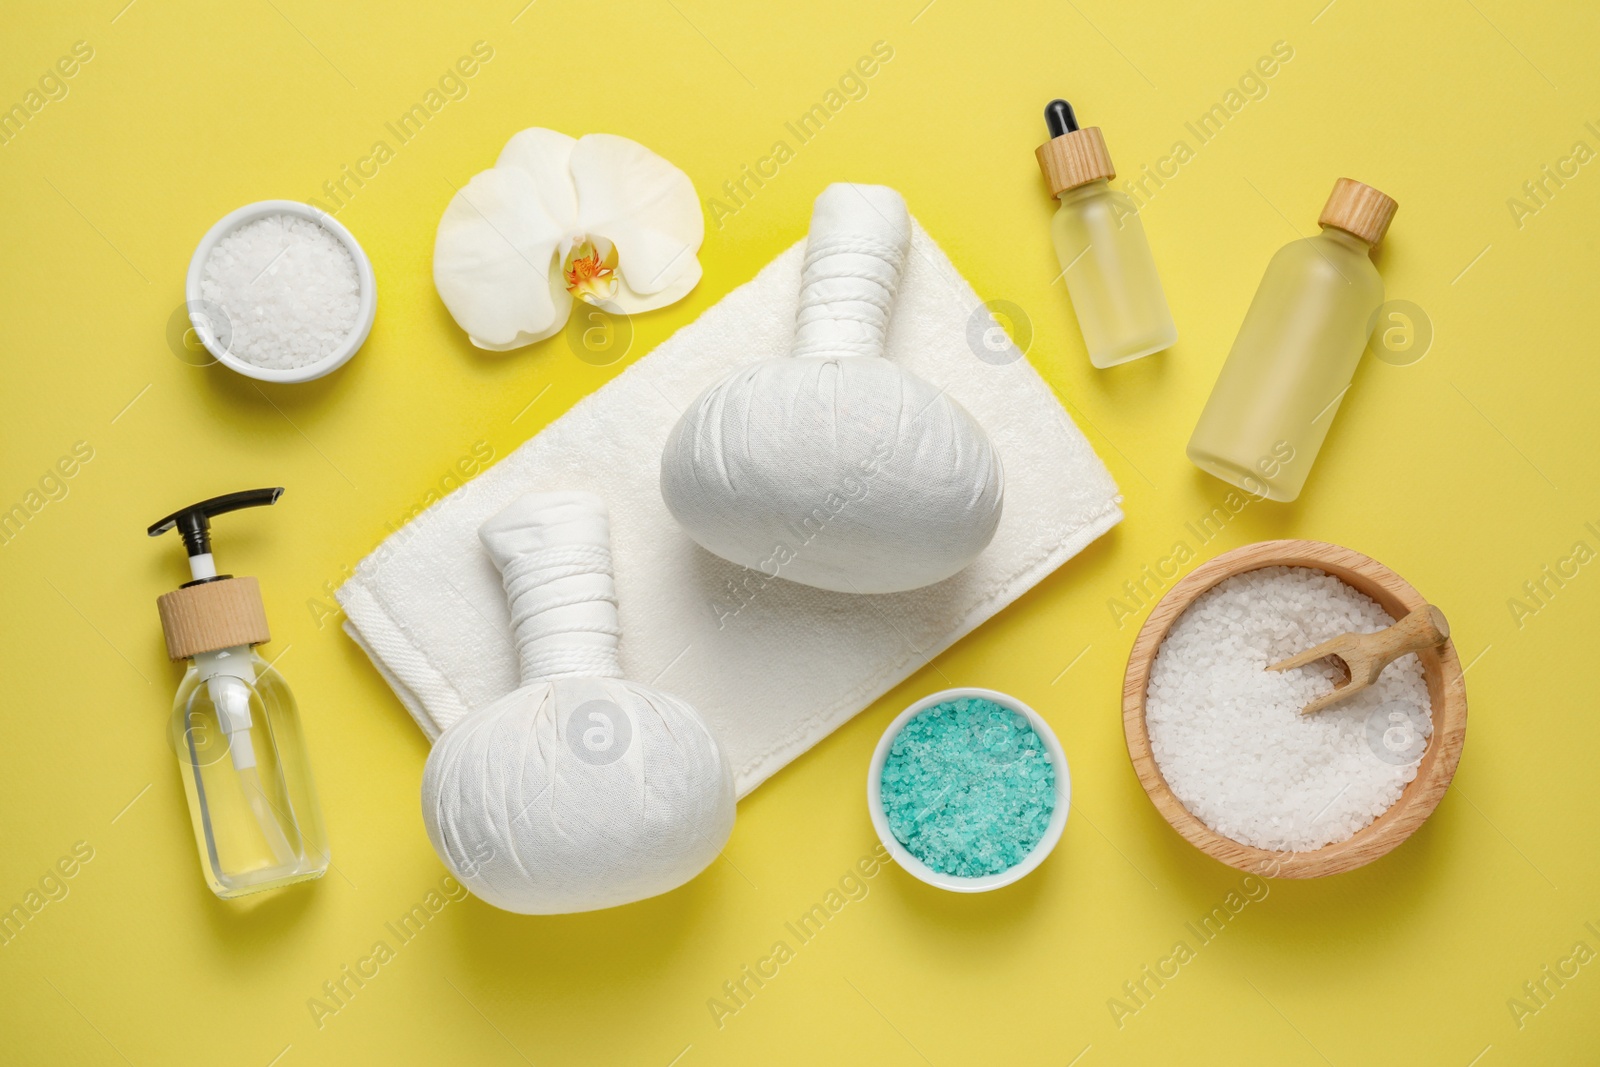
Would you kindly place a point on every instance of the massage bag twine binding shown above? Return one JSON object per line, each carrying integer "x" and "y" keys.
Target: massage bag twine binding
{"x": 772, "y": 666}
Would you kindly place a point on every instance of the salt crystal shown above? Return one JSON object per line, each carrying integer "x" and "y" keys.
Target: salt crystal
{"x": 968, "y": 787}
{"x": 1228, "y": 734}
{"x": 288, "y": 288}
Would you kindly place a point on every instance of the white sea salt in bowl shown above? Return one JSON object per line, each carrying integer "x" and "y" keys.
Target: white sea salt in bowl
{"x": 1236, "y": 747}
{"x": 281, "y": 292}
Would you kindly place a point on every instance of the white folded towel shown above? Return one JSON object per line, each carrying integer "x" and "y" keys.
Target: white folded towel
{"x": 771, "y": 665}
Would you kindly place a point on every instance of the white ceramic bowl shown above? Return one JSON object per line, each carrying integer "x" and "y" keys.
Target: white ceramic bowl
{"x": 956, "y": 883}
{"x": 200, "y": 313}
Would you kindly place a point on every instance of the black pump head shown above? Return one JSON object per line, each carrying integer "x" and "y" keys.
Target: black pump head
{"x": 1059, "y": 118}
{"x": 193, "y": 523}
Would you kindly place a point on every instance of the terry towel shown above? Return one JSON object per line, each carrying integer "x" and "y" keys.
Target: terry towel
{"x": 773, "y": 666}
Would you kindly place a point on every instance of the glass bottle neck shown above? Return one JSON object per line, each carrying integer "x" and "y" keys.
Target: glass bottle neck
{"x": 1346, "y": 240}
{"x": 1086, "y": 191}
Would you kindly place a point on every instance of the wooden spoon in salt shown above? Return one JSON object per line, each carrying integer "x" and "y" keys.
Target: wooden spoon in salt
{"x": 1362, "y": 657}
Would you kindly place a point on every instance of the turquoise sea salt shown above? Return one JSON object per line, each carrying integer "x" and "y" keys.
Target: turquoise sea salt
{"x": 968, "y": 787}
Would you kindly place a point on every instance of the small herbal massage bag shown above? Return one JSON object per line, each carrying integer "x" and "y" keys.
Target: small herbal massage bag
{"x": 580, "y": 790}
{"x": 832, "y": 466}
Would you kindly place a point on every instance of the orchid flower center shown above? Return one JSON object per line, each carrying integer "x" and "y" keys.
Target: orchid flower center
{"x": 590, "y": 270}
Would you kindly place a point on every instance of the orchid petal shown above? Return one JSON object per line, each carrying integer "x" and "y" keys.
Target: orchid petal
{"x": 546, "y": 156}
{"x": 632, "y": 303}
{"x": 643, "y": 205}
{"x": 494, "y": 261}
{"x": 562, "y": 301}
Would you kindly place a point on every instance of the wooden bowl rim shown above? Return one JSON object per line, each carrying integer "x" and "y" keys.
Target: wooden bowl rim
{"x": 1446, "y": 690}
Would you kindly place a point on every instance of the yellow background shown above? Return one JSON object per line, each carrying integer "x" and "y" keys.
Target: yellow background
{"x": 1468, "y": 472}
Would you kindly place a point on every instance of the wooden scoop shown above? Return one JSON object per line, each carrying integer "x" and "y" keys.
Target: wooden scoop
{"x": 1363, "y": 657}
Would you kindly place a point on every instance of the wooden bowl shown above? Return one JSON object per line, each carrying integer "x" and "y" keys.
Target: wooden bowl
{"x": 1446, "y": 690}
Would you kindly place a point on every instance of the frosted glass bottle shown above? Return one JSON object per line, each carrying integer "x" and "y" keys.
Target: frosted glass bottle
{"x": 1105, "y": 257}
{"x": 242, "y": 756}
{"x": 1297, "y": 351}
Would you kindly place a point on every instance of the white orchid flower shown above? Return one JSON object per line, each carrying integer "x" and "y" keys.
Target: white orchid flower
{"x": 600, "y": 218}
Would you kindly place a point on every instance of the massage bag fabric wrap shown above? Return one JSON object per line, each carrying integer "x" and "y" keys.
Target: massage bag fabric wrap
{"x": 580, "y": 790}
{"x": 833, "y": 466}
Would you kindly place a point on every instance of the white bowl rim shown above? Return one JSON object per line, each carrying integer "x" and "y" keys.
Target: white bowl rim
{"x": 260, "y": 209}
{"x": 952, "y": 882}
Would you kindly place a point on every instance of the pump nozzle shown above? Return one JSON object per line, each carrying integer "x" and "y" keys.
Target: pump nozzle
{"x": 193, "y": 523}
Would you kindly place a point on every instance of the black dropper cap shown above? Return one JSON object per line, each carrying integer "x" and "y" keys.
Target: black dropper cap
{"x": 1058, "y": 117}
{"x": 193, "y": 523}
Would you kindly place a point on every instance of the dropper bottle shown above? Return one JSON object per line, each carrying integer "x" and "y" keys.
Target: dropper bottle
{"x": 1111, "y": 276}
{"x": 234, "y": 725}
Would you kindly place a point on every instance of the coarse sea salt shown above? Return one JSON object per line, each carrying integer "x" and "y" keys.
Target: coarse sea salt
{"x": 968, "y": 787}
{"x": 287, "y": 288}
{"x": 1228, "y": 734}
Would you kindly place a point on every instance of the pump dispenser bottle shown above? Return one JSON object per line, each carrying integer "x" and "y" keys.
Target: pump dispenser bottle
{"x": 1110, "y": 273}
{"x": 234, "y": 725}
{"x": 1297, "y": 350}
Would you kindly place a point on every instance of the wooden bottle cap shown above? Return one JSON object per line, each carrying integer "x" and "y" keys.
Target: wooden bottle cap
{"x": 1358, "y": 209}
{"x": 1074, "y": 159}
{"x": 213, "y": 615}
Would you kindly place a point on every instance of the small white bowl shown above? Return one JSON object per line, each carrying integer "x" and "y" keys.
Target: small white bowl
{"x": 200, "y": 317}
{"x": 952, "y": 882}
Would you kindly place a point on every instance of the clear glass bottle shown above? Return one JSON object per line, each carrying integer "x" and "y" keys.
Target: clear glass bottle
{"x": 242, "y": 755}
{"x": 235, "y": 728}
{"x": 1296, "y": 351}
{"x": 1110, "y": 273}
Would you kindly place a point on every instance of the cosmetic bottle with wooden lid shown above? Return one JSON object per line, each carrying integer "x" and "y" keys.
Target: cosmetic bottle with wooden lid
{"x": 235, "y": 727}
{"x": 1100, "y": 241}
{"x": 1297, "y": 350}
